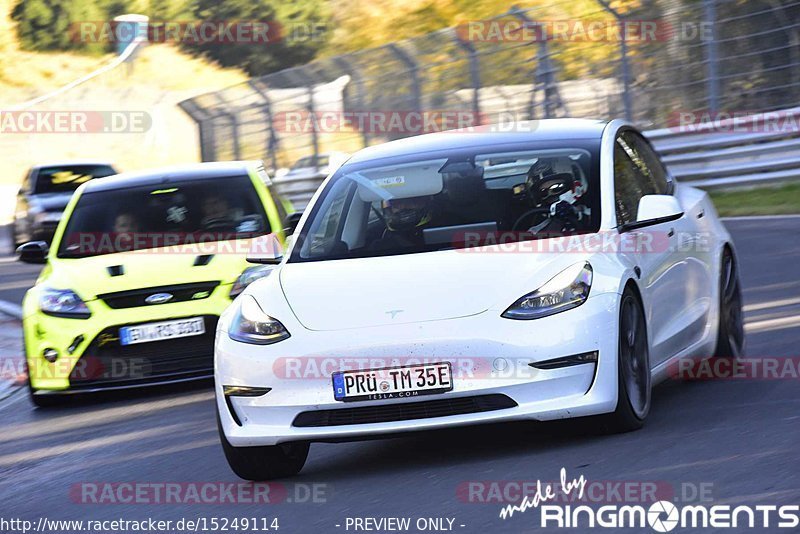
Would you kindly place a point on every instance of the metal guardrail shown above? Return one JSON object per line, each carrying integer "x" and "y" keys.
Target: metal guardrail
{"x": 722, "y": 154}
{"x": 758, "y": 149}
{"x": 124, "y": 56}
{"x": 298, "y": 190}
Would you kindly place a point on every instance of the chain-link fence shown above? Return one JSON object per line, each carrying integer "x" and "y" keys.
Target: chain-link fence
{"x": 699, "y": 58}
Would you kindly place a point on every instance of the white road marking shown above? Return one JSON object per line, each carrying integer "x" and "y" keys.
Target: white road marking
{"x": 773, "y": 304}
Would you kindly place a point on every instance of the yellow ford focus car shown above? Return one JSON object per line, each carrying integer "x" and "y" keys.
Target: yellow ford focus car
{"x": 139, "y": 270}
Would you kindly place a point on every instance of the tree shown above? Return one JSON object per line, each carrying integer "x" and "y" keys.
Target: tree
{"x": 53, "y": 24}
{"x": 301, "y": 36}
{"x": 46, "y": 24}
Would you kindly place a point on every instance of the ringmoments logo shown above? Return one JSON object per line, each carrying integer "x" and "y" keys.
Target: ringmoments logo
{"x": 660, "y": 516}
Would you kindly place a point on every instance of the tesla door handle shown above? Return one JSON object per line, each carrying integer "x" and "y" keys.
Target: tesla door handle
{"x": 701, "y": 214}
{"x": 671, "y": 232}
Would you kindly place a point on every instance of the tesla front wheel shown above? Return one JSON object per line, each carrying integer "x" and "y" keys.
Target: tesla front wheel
{"x": 264, "y": 463}
{"x": 730, "y": 337}
{"x": 633, "y": 376}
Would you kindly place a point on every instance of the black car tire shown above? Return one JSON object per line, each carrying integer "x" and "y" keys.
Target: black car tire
{"x": 634, "y": 382}
{"x": 264, "y": 463}
{"x": 730, "y": 336}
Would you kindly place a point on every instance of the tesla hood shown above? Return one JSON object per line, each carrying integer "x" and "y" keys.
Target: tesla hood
{"x": 364, "y": 292}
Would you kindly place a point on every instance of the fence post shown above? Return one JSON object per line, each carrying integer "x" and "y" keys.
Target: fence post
{"x": 208, "y": 150}
{"x": 710, "y": 16}
{"x": 272, "y": 139}
{"x": 358, "y": 82}
{"x": 232, "y": 116}
{"x": 302, "y": 78}
{"x": 237, "y": 149}
{"x": 205, "y": 128}
{"x": 474, "y": 74}
{"x": 627, "y": 101}
{"x": 413, "y": 70}
{"x": 544, "y": 70}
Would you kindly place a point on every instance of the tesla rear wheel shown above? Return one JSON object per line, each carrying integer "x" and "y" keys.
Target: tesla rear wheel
{"x": 264, "y": 463}
{"x": 633, "y": 377}
{"x": 730, "y": 337}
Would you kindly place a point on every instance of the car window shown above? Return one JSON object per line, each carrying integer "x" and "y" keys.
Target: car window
{"x": 172, "y": 214}
{"x": 409, "y": 205}
{"x": 67, "y": 178}
{"x": 310, "y": 161}
{"x": 324, "y": 236}
{"x": 629, "y": 184}
{"x": 652, "y": 171}
{"x": 301, "y": 163}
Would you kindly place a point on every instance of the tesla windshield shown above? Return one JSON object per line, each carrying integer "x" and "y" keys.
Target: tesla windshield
{"x": 154, "y": 216}
{"x": 387, "y": 207}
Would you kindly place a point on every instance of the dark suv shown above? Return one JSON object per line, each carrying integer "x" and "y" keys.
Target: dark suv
{"x": 44, "y": 194}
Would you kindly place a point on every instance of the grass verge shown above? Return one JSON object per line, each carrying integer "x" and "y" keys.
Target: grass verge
{"x": 773, "y": 200}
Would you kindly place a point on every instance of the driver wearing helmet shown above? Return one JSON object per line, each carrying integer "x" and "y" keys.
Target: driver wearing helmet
{"x": 405, "y": 219}
{"x": 553, "y": 196}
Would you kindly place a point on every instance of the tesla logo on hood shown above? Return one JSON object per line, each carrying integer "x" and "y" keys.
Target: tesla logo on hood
{"x": 159, "y": 298}
{"x": 394, "y": 313}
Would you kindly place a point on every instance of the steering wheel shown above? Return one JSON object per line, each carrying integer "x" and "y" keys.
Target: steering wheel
{"x": 525, "y": 216}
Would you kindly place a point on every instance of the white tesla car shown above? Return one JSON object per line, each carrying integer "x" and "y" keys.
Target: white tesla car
{"x": 463, "y": 278}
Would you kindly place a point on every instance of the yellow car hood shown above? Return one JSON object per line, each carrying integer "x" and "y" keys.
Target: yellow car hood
{"x": 125, "y": 271}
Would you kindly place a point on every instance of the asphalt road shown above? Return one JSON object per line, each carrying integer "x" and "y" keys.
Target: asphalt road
{"x": 737, "y": 441}
{"x": 15, "y": 279}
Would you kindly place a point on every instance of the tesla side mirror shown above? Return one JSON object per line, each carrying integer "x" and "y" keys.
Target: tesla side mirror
{"x": 265, "y": 249}
{"x": 290, "y": 223}
{"x": 33, "y": 252}
{"x": 658, "y": 208}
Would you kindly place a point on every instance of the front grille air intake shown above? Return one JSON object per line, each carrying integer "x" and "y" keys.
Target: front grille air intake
{"x": 180, "y": 293}
{"x": 406, "y": 411}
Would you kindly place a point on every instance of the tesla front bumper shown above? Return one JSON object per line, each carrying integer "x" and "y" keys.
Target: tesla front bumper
{"x": 490, "y": 358}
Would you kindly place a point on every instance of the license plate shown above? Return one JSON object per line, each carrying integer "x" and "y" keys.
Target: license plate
{"x": 145, "y": 333}
{"x": 392, "y": 383}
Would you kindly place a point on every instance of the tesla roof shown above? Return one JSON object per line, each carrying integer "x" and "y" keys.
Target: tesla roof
{"x": 165, "y": 175}
{"x": 489, "y": 135}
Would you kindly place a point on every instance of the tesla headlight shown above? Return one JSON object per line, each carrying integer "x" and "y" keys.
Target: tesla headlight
{"x": 250, "y": 275}
{"x": 568, "y": 289}
{"x": 63, "y": 303}
{"x": 251, "y": 325}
